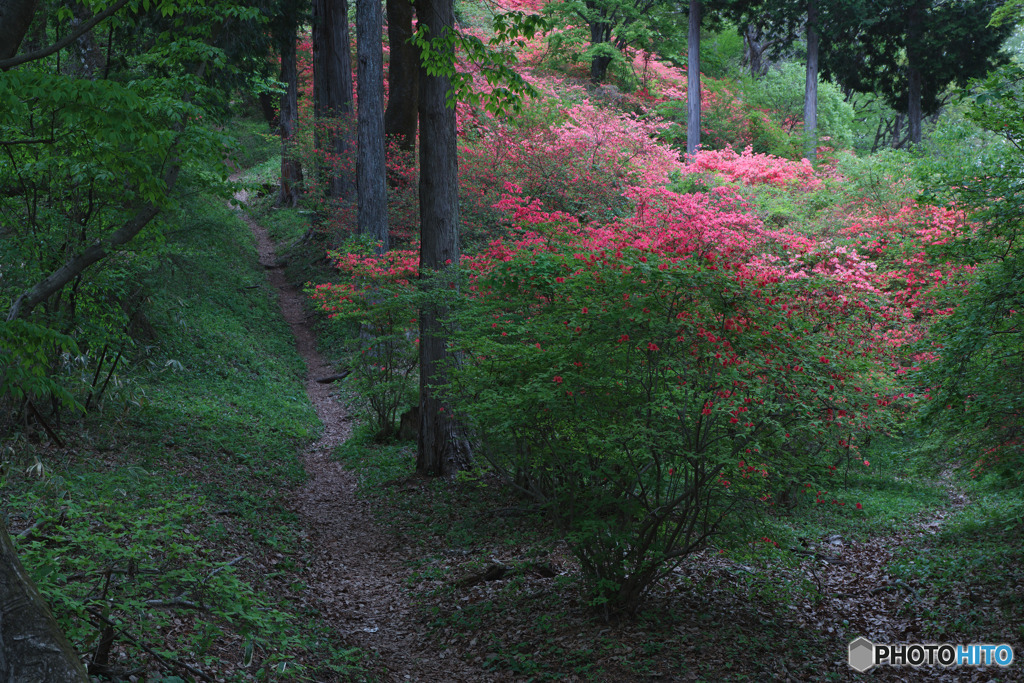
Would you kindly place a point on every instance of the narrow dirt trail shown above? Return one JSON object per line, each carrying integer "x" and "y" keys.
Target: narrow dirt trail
{"x": 859, "y": 588}
{"x": 353, "y": 579}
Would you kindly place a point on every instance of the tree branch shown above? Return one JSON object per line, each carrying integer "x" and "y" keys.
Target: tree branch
{"x": 6, "y": 64}
{"x": 32, "y": 141}
{"x": 99, "y": 249}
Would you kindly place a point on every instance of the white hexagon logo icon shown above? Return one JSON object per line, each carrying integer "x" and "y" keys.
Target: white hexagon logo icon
{"x": 862, "y": 654}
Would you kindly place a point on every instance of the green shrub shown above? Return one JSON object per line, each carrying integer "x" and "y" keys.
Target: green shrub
{"x": 781, "y": 91}
{"x": 650, "y": 401}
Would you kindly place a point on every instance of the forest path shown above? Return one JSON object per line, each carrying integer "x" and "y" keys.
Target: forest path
{"x": 354, "y": 578}
{"x": 858, "y": 587}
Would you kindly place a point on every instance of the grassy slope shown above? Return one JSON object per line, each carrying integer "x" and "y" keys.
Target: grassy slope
{"x": 178, "y": 487}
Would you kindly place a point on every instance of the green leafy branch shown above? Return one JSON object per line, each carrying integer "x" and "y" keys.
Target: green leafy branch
{"x": 508, "y": 87}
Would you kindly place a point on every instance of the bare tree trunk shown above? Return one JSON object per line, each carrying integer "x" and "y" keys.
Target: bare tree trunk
{"x": 811, "y": 83}
{"x": 371, "y": 169}
{"x": 332, "y": 91}
{"x": 291, "y": 168}
{"x": 32, "y": 646}
{"x": 15, "y": 18}
{"x": 403, "y": 76}
{"x": 914, "y": 114}
{"x": 693, "y": 80}
{"x": 442, "y": 449}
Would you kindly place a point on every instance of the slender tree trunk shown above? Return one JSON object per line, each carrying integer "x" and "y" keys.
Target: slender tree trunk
{"x": 291, "y": 167}
{"x": 332, "y": 93}
{"x": 914, "y": 114}
{"x": 811, "y": 83}
{"x": 75, "y": 265}
{"x": 32, "y": 646}
{"x": 371, "y": 168}
{"x": 442, "y": 448}
{"x": 403, "y": 76}
{"x": 755, "y": 46}
{"x": 15, "y": 18}
{"x": 693, "y": 80}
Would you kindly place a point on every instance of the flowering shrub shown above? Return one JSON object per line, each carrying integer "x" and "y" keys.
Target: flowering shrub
{"x": 751, "y": 169}
{"x": 649, "y": 387}
{"x": 579, "y": 159}
{"x": 375, "y": 299}
{"x": 658, "y": 373}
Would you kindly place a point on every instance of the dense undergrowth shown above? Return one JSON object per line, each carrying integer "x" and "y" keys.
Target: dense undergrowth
{"x": 161, "y": 534}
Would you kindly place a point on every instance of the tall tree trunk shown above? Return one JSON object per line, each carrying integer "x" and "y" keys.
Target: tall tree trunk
{"x": 811, "y": 83}
{"x": 442, "y": 449}
{"x": 371, "y": 169}
{"x": 914, "y": 115}
{"x": 332, "y": 92}
{"x": 693, "y": 80}
{"x": 291, "y": 167}
{"x": 914, "y": 30}
{"x": 15, "y": 18}
{"x": 403, "y": 76}
{"x": 32, "y": 646}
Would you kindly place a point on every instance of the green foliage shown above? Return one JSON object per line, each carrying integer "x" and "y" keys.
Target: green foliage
{"x": 728, "y": 120}
{"x": 163, "y": 497}
{"x": 606, "y": 398}
{"x": 115, "y": 548}
{"x": 781, "y": 92}
{"x": 378, "y": 314}
{"x": 979, "y": 369}
{"x": 81, "y": 158}
{"x": 721, "y": 53}
{"x": 255, "y": 144}
{"x": 974, "y": 555}
{"x": 507, "y": 86}
{"x": 866, "y": 47}
{"x": 26, "y": 350}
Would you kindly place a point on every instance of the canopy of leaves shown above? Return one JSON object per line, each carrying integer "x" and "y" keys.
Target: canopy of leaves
{"x": 867, "y": 47}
